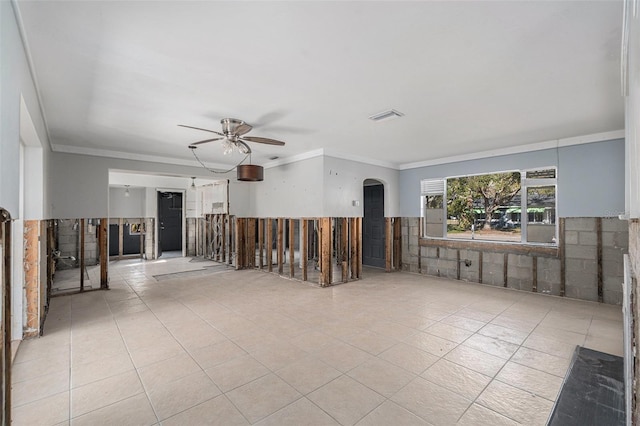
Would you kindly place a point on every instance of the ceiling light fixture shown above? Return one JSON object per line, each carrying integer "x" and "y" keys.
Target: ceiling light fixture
{"x": 193, "y": 183}
{"x": 385, "y": 115}
{"x": 126, "y": 191}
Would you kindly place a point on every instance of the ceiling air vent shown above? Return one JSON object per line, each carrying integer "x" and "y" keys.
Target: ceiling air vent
{"x": 385, "y": 115}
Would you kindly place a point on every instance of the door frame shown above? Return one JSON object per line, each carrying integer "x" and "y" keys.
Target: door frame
{"x": 374, "y": 182}
{"x": 184, "y": 218}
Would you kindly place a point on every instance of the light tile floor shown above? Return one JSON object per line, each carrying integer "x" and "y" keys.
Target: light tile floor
{"x": 248, "y": 347}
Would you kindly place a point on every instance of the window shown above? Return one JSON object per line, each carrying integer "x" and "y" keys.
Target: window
{"x": 489, "y": 207}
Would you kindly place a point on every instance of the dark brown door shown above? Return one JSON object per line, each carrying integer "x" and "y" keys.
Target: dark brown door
{"x": 373, "y": 227}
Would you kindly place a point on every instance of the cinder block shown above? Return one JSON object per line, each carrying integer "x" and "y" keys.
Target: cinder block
{"x": 413, "y": 249}
{"x": 580, "y": 224}
{"x": 581, "y": 279}
{"x": 614, "y": 224}
{"x": 612, "y": 297}
{"x": 587, "y": 238}
{"x": 581, "y": 252}
{"x": 432, "y": 252}
{"x": 578, "y": 265}
{"x": 571, "y": 237}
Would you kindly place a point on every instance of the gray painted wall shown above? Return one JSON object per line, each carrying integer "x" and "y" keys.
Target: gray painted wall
{"x": 127, "y": 207}
{"x": 15, "y": 81}
{"x": 590, "y": 177}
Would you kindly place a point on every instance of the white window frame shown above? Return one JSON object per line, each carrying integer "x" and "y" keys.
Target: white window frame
{"x": 525, "y": 184}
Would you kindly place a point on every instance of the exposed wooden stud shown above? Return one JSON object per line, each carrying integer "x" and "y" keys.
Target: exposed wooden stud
{"x": 251, "y": 243}
{"x": 325, "y": 251}
{"x": 388, "y": 244}
{"x": 292, "y": 252}
{"x": 31, "y": 277}
{"x": 81, "y": 249}
{"x": 600, "y": 271}
{"x": 397, "y": 243}
{"x": 458, "y": 264}
{"x": 239, "y": 242}
{"x": 104, "y": 253}
{"x": 280, "y": 246}
{"x": 223, "y": 237}
{"x": 5, "y": 239}
{"x": 120, "y": 237}
{"x": 353, "y": 247}
{"x": 561, "y": 253}
{"x": 260, "y": 243}
{"x": 344, "y": 248}
{"x": 438, "y": 263}
{"x": 505, "y": 270}
{"x": 142, "y": 237}
{"x": 534, "y": 273}
{"x": 514, "y": 248}
{"x": 304, "y": 231}
{"x": 359, "y": 222}
{"x": 230, "y": 239}
{"x": 269, "y": 245}
{"x": 480, "y": 267}
{"x": 420, "y": 234}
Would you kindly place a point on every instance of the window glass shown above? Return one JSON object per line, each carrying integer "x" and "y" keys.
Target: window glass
{"x": 541, "y": 214}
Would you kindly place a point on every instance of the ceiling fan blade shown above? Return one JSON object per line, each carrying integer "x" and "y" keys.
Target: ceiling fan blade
{"x": 243, "y": 128}
{"x": 263, "y": 140}
{"x": 204, "y": 130}
{"x": 204, "y": 141}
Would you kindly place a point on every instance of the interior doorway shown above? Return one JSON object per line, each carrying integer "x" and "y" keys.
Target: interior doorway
{"x": 373, "y": 236}
{"x": 170, "y": 218}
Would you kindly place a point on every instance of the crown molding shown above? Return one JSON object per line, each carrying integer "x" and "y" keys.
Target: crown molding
{"x": 537, "y": 146}
{"x": 68, "y": 149}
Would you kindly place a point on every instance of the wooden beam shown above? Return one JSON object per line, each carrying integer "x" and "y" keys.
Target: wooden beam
{"x": 359, "y": 222}
{"x": 239, "y": 240}
{"x": 561, "y": 253}
{"x": 81, "y": 249}
{"x": 223, "y": 237}
{"x": 534, "y": 273}
{"x": 353, "y": 231}
{"x": 292, "y": 242}
{"x": 505, "y": 270}
{"x": 260, "y": 243}
{"x": 494, "y": 247}
{"x": 142, "y": 237}
{"x": 269, "y": 245}
{"x": 344, "y": 248}
{"x": 420, "y": 234}
{"x": 600, "y": 270}
{"x": 304, "y": 231}
{"x": 5, "y": 239}
{"x": 120, "y": 237}
{"x": 388, "y": 241}
{"x": 480, "y": 267}
{"x": 397, "y": 243}
{"x": 104, "y": 253}
{"x": 325, "y": 251}
{"x": 251, "y": 243}
{"x": 230, "y": 238}
{"x": 280, "y": 246}
{"x": 458, "y": 264}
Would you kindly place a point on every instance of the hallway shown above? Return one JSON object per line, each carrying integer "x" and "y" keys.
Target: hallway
{"x": 226, "y": 347}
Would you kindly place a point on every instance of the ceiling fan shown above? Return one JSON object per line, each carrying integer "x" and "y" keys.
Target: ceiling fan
{"x": 232, "y": 135}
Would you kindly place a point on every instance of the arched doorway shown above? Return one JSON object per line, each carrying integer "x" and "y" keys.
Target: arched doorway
{"x": 373, "y": 243}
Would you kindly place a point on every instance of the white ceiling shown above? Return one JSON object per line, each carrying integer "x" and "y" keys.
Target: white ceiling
{"x": 117, "y": 77}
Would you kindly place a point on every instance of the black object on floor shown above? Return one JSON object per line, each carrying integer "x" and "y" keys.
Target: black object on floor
{"x": 592, "y": 392}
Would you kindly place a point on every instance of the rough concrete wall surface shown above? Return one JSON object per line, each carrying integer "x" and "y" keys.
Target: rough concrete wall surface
{"x": 581, "y": 258}
{"x": 192, "y": 224}
{"x": 150, "y": 238}
{"x": 634, "y": 257}
{"x": 583, "y": 255}
{"x": 615, "y": 243}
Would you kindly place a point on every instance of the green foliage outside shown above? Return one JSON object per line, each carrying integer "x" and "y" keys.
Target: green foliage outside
{"x": 490, "y": 191}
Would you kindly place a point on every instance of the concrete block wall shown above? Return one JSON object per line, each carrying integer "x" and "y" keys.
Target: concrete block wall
{"x": 192, "y": 227}
{"x": 150, "y": 238}
{"x": 583, "y": 255}
{"x": 68, "y": 241}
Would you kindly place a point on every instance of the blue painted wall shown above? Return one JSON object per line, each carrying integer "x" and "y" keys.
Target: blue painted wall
{"x": 590, "y": 177}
